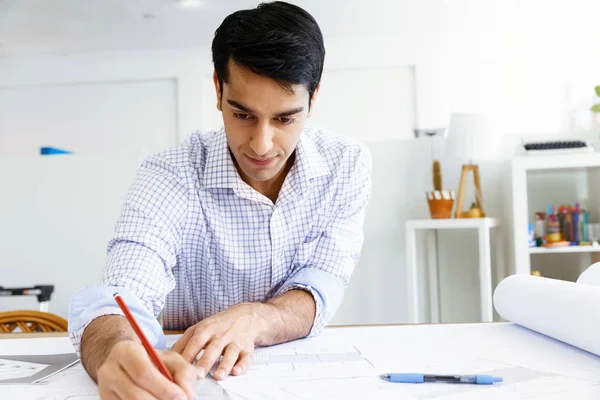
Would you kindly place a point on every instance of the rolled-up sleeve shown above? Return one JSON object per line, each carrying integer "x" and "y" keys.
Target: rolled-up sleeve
{"x": 141, "y": 253}
{"x": 327, "y": 274}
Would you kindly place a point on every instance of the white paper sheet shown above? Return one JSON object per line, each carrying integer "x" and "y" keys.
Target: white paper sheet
{"x": 337, "y": 360}
{"x": 565, "y": 311}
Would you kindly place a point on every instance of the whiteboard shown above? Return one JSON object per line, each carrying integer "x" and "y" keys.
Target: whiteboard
{"x": 89, "y": 118}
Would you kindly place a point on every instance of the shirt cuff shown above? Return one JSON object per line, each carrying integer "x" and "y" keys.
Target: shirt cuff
{"x": 327, "y": 291}
{"x": 87, "y": 304}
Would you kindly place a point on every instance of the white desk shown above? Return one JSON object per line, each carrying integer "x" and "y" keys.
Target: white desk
{"x": 533, "y": 366}
{"x": 483, "y": 226}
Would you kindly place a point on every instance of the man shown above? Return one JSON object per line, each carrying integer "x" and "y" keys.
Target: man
{"x": 245, "y": 236}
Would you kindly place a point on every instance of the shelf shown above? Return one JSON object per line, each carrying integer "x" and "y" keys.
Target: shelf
{"x": 559, "y": 161}
{"x": 453, "y": 223}
{"x": 564, "y": 249}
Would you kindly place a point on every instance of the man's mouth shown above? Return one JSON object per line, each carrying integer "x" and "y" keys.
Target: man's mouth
{"x": 262, "y": 162}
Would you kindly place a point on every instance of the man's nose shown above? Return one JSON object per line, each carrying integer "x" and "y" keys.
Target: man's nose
{"x": 262, "y": 140}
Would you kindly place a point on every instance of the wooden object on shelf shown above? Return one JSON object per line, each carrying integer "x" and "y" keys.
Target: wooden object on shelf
{"x": 460, "y": 213}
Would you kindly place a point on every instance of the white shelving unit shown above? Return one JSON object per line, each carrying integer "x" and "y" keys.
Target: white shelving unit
{"x": 521, "y": 166}
{"x": 566, "y": 249}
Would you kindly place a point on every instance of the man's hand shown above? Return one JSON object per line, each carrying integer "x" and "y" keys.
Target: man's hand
{"x": 129, "y": 373}
{"x": 231, "y": 333}
{"x": 234, "y": 332}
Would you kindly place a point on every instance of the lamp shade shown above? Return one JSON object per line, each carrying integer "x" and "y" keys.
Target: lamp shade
{"x": 473, "y": 137}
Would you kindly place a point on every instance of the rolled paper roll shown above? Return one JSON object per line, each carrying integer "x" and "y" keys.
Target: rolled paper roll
{"x": 566, "y": 311}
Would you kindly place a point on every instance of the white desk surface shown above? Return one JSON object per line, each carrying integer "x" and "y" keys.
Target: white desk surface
{"x": 533, "y": 366}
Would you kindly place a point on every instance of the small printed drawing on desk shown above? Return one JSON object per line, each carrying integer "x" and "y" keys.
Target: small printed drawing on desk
{"x": 27, "y": 369}
{"x": 12, "y": 369}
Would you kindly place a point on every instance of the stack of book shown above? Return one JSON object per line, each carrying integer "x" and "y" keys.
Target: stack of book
{"x": 574, "y": 223}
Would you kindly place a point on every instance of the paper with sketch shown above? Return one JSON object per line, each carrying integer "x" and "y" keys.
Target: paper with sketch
{"x": 566, "y": 311}
{"x": 305, "y": 359}
{"x": 293, "y": 361}
{"x": 27, "y": 369}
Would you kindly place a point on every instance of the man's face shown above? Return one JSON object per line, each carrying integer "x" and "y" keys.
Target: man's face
{"x": 263, "y": 122}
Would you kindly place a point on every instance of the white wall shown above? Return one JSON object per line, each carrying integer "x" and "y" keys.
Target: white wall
{"x": 58, "y": 214}
{"x": 471, "y": 56}
{"x": 551, "y": 64}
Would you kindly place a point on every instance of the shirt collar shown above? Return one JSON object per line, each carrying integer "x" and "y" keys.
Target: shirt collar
{"x": 220, "y": 171}
{"x": 309, "y": 163}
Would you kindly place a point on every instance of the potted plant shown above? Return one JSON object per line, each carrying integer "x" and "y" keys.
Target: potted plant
{"x": 440, "y": 201}
{"x": 596, "y": 109}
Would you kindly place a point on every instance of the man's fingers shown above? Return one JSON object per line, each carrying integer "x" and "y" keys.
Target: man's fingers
{"x": 106, "y": 394}
{"x": 182, "y": 341}
{"x": 107, "y": 381}
{"x": 143, "y": 373}
{"x": 183, "y": 372}
{"x": 210, "y": 356}
{"x": 243, "y": 364}
{"x": 125, "y": 388}
{"x": 193, "y": 346}
{"x": 230, "y": 356}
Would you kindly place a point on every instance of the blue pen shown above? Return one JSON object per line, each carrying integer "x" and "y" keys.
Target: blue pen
{"x": 424, "y": 378}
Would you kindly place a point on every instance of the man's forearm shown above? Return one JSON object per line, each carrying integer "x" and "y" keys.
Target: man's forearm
{"x": 286, "y": 317}
{"x": 99, "y": 338}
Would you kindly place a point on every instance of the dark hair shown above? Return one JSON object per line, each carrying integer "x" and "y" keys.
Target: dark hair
{"x": 277, "y": 40}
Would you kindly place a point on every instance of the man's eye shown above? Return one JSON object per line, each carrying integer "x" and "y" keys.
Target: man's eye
{"x": 241, "y": 116}
{"x": 287, "y": 121}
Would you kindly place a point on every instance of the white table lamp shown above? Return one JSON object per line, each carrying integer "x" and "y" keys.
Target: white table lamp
{"x": 472, "y": 137}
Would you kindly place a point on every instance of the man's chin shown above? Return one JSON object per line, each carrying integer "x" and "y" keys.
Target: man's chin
{"x": 262, "y": 176}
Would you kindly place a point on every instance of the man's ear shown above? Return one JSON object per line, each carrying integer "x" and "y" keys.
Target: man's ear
{"x": 218, "y": 90}
{"x": 313, "y": 99}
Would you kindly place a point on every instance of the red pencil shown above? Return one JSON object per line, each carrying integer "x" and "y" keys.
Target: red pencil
{"x": 153, "y": 354}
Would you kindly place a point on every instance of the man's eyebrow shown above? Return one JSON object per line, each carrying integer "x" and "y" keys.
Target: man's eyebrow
{"x": 240, "y": 106}
{"x": 290, "y": 112}
{"x": 287, "y": 113}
